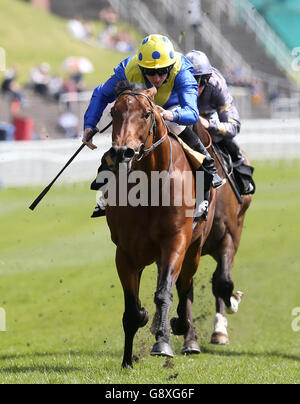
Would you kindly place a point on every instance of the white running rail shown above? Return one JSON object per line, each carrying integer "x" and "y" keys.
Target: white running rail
{"x": 37, "y": 162}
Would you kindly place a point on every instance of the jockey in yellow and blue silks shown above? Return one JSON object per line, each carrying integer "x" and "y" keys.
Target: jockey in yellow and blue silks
{"x": 157, "y": 64}
{"x": 155, "y": 55}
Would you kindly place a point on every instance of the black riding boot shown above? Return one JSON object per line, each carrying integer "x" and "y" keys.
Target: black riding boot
{"x": 243, "y": 172}
{"x": 211, "y": 176}
{"x": 234, "y": 151}
{"x": 96, "y": 185}
{"x": 105, "y": 166}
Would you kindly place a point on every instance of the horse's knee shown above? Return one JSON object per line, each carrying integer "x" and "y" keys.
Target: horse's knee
{"x": 134, "y": 316}
{"x": 144, "y": 317}
{"x": 178, "y": 326}
{"x": 181, "y": 325}
{"x": 133, "y": 321}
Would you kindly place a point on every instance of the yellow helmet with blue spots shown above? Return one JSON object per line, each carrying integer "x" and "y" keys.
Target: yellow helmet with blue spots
{"x": 155, "y": 52}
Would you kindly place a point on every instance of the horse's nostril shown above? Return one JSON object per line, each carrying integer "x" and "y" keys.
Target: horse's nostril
{"x": 121, "y": 154}
{"x": 129, "y": 154}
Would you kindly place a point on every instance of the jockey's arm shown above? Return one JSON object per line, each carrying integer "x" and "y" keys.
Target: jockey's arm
{"x": 187, "y": 89}
{"x": 187, "y": 114}
{"x": 229, "y": 128}
{"x": 204, "y": 122}
{"x": 221, "y": 122}
{"x": 102, "y": 96}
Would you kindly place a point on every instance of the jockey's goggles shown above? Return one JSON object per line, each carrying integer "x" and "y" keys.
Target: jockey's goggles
{"x": 203, "y": 80}
{"x": 161, "y": 71}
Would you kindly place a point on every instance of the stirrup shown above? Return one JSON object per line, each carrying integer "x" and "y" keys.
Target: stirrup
{"x": 202, "y": 211}
{"x": 249, "y": 189}
{"x": 218, "y": 182}
{"x": 99, "y": 210}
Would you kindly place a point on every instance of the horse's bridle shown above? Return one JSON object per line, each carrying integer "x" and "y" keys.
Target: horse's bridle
{"x": 143, "y": 151}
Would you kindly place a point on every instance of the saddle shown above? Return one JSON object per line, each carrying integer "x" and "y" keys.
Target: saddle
{"x": 195, "y": 158}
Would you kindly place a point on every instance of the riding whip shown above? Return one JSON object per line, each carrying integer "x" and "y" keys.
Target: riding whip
{"x": 47, "y": 189}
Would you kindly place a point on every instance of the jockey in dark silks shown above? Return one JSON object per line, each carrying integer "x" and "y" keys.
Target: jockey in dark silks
{"x": 157, "y": 64}
{"x": 216, "y": 105}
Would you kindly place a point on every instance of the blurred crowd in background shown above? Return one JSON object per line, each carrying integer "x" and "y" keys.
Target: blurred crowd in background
{"x": 110, "y": 37}
{"x": 50, "y": 87}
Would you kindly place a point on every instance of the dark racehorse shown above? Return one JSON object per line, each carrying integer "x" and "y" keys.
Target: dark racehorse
{"x": 147, "y": 234}
{"x": 222, "y": 244}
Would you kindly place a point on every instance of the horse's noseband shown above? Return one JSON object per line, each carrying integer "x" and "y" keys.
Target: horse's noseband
{"x": 140, "y": 154}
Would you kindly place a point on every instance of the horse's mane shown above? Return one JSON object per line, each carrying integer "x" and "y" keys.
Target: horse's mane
{"x": 128, "y": 85}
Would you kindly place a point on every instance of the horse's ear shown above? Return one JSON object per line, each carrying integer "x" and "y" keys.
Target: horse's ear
{"x": 152, "y": 93}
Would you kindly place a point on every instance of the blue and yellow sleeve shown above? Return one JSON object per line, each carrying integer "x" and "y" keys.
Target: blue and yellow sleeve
{"x": 102, "y": 96}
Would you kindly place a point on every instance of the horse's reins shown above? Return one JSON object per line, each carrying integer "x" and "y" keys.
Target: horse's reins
{"x": 143, "y": 151}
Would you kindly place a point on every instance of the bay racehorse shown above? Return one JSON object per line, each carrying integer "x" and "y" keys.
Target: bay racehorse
{"x": 147, "y": 234}
{"x": 222, "y": 244}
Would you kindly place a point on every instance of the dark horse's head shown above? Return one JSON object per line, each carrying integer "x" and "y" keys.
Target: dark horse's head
{"x": 133, "y": 122}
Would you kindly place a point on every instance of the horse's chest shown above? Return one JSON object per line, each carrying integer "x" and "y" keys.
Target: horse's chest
{"x": 134, "y": 233}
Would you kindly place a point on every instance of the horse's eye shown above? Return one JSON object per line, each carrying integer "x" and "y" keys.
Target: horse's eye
{"x": 112, "y": 111}
{"x": 147, "y": 114}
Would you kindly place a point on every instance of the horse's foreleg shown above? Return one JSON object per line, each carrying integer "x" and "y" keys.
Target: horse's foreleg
{"x": 171, "y": 262}
{"x": 163, "y": 300}
{"x": 184, "y": 325}
{"x": 226, "y": 301}
{"x": 155, "y": 321}
{"x": 134, "y": 316}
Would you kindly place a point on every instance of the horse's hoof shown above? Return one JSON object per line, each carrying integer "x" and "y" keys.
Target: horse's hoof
{"x": 176, "y": 329}
{"x": 218, "y": 338}
{"x": 162, "y": 349}
{"x": 235, "y": 300}
{"x": 127, "y": 365}
{"x": 191, "y": 347}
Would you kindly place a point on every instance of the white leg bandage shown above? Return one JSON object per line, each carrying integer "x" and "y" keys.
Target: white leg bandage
{"x": 220, "y": 324}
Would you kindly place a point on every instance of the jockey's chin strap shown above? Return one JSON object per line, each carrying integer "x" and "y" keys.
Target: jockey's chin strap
{"x": 143, "y": 150}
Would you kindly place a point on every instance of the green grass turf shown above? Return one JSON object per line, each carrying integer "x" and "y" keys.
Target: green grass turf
{"x": 29, "y": 37}
{"x": 64, "y": 302}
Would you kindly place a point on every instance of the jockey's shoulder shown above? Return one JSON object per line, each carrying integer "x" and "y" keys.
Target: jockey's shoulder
{"x": 185, "y": 64}
{"x": 125, "y": 62}
{"x": 217, "y": 83}
{"x": 217, "y": 79}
